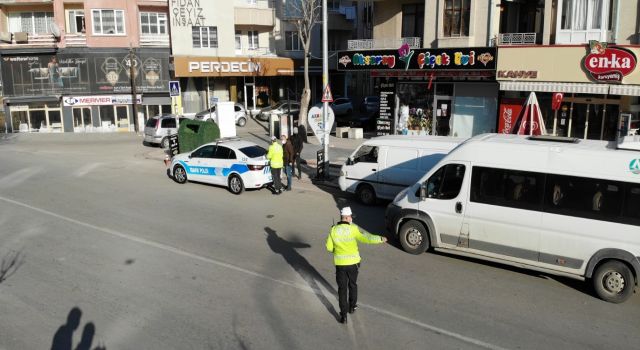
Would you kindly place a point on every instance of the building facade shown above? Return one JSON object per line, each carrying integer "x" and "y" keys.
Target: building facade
{"x": 227, "y": 51}
{"x": 70, "y": 66}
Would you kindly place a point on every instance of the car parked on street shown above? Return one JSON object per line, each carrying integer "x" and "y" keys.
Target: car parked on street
{"x": 158, "y": 129}
{"x": 342, "y": 107}
{"x": 370, "y": 106}
{"x": 283, "y": 107}
{"x": 210, "y": 114}
{"x": 234, "y": 163}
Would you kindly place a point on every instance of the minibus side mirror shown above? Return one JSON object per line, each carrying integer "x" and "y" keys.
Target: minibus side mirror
{"x": 423, "y": 192}
{"x": 349, "y": 161}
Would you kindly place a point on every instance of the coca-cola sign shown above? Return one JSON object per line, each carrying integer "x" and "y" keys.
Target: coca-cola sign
{"x": 608, "y": 64}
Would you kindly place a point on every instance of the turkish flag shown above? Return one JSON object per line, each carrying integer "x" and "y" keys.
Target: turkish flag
{"x": 556, "y": 101}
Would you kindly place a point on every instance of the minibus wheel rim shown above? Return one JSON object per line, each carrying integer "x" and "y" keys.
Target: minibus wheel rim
{"x": 414, "y": 237}
{"x": 614, "y": 282}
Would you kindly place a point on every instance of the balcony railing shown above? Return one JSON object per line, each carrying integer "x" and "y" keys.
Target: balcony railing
{"x": 75, "y": 40}
{"x": 252, "y": 52}
{"x": 517, "y": 39}
{"x": 30, "y": 40}
{"x": 387, "y": 43}
{"x": 147, "y": 40}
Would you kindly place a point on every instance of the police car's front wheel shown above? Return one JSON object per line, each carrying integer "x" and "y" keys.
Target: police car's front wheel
{"x": 235, "y": 184}
{"x": 179, "y": 174}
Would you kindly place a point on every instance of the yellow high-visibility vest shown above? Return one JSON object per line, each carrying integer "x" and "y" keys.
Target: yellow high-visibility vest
{"x": 342, "y": 242}
{"x": 276, "y": 155}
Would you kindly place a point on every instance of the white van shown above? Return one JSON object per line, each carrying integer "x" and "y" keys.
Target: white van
{"x": 383, "y": 166}
{"x": 558, "y": 205}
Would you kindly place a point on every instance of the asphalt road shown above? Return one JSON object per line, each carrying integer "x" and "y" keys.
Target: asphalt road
{"x": 99, "y": 246}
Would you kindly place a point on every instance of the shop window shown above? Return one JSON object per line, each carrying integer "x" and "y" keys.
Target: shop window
{"x": 82, "y": 118}
{"x": 75, "y": 21}
{"x": 413, "y": 20}
{"x": 38, "y": 119}
{"x": 108, "y": 22}
{"x": 456, "y": 17}
{"x": 30, "y": 22}
{"x": 204, "y": 37}
{"x": 107, "y": 116}
{"x": 165, "y": 109}
{"x": 153, "y": 23}
{"x": 20, "y": 121}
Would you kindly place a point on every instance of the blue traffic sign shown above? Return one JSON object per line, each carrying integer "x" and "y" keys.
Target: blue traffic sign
{"x": 174, "y": 88}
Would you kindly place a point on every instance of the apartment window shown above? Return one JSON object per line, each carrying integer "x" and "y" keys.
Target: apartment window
{"x": 292, "y": 41}
{"x": 204, "y": 37}
{"x": 586, "y": 14}
{"x": 238, "y": 40}
{"x": 253, "y": 39}
{"x": 413, "y": 20}
{"x": 456, "y": 17}
{"x": 30, "y": 22}
{"x": 108, "y": 22}
{"x": 153, "y": 23}
{"x": 333, "y": 5}
{"x": 75, "y": 21}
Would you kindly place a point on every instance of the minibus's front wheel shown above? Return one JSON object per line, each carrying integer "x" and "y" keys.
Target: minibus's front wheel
{"x": 414, "y": 237}
{"x": 613, "y": 281}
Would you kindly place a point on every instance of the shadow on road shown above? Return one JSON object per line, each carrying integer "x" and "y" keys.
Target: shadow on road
{"x": 10, "y": 264}
{"x": 309, "y": 273}
{"x": 63, "y": 338}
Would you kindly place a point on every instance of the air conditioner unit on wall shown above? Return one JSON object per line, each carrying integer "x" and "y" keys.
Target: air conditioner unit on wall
{"x": 21, "y": 37}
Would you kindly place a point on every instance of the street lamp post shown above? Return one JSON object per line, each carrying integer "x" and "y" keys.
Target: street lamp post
{"x": 325, "y": 83}
{"x": 134, "y": 92}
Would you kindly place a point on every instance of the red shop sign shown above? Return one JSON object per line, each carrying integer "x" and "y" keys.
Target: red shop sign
{"x": 608, "y": 64}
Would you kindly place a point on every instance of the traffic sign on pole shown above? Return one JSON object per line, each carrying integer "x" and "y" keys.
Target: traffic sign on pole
{"x": 326, "y": 95}
{"x": 174, "y": 88}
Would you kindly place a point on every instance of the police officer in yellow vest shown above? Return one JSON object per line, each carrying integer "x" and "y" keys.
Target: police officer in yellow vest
{"x": 342, "y": 243}
{"x": 276, "y": 161}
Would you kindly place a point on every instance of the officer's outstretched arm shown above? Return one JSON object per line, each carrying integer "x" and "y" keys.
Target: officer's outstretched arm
{"x": 366, "y": 237}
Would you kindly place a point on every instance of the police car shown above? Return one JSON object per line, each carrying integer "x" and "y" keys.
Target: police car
{"x": 234, "y": 163}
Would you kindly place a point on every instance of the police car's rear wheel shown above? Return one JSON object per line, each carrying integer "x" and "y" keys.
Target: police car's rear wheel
{"x": 413, "y": 237}
{"x": 179, "y": 174}
{"x": 235, "y": 184}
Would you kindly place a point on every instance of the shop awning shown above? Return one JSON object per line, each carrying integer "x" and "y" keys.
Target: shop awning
{"x": 626, "y": 90}
{"x": 580, "y": 88}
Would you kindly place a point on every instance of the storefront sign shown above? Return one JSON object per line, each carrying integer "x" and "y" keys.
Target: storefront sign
{"x": 100, "y": 100}
{"x": 383, "y": 126}
{"x": 74, "y": 73}
{"x": 518, "y": 74}
{"x": 556, "y": 100}
{"x": 387, "y": 99}
{"x": 478, "y": 58}
{"x": 232, "y": 66}
{"x": 608, "y": 64}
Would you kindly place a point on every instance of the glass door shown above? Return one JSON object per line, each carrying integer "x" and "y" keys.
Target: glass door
{"x": 55, "y": 120}
{"x": 122, "y": 117}
{"x": 82, "y": 119}
{"x": 443, "y": 111}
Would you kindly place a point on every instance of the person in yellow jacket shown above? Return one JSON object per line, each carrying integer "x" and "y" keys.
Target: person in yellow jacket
{"x": 275, "y": 156}
{"x": 342, "y": 242}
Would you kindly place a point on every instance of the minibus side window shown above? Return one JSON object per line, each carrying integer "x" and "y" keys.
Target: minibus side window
{"x": 366, "y": 154}
{"x": 507, "y": 188}
{"x": 446, "y": 182}
{"x": 584, "y": 197}
{"x": 632, "y": 205}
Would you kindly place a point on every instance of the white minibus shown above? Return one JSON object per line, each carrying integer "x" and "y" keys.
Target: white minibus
{"x": 562, "y": 206}
{"x": 383, "y": 166}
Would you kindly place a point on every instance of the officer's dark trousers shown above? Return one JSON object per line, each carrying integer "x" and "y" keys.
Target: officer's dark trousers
{"x": 347, "y": 278}
{"x": 275, "y": 174}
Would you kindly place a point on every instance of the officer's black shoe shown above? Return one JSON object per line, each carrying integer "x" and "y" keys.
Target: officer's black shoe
{"x": 353, "y": 309}
{"x": 343, "y": 319}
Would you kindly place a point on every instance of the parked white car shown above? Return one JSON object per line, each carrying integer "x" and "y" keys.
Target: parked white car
{"x": 233, "y": 163}
{"x": 383, "y": 166}
{"x": 210, "y": 114}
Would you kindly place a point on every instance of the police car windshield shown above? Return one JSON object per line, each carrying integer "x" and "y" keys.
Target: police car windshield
{"x": 253, "y": 151}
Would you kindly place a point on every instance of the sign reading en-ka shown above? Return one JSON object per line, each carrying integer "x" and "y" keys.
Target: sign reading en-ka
{"x": 608, "y": 64}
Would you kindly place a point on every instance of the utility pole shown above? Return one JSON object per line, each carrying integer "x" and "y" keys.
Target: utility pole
{"x": 325, "y": 84}
{"x": 134, "y": 92}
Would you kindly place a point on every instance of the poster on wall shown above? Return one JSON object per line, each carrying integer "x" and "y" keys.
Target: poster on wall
{"x": 83, "y": 73}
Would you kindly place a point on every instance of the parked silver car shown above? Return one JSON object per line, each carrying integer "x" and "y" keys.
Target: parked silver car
{"x": 281, "y": 108}
{"x": 158, "y": 129}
